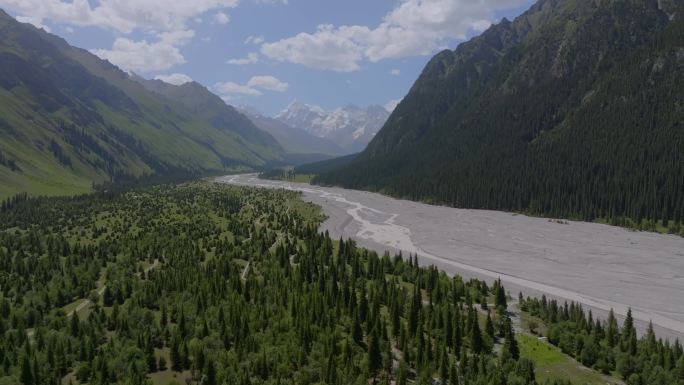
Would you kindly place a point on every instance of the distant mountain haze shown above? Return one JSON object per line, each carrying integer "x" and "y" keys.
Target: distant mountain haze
{"x": 292, "y": 139}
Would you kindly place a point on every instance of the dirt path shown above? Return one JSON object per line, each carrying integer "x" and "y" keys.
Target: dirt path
{"x": 245, "y": 271}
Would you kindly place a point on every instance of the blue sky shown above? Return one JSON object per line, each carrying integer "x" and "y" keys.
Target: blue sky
{"x": 266, "y": 53}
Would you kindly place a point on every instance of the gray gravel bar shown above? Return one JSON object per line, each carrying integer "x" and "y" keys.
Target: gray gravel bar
{"x": 600, "y": 266}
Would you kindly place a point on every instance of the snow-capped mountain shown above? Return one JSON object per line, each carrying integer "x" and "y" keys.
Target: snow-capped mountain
{"x": 293, "y": 140}
{"x": 351, "y": 127}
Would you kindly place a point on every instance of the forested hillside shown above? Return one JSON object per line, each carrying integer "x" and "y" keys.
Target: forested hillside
{"x": 572, "y": 110}
{"x": 69, "y": 119}
{"x": 209, "y": 284}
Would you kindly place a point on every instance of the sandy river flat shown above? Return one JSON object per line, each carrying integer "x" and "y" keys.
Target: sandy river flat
{"x": 600, "y": 266}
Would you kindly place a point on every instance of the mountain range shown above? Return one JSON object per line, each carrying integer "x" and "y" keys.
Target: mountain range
{"x": 574, "y": 109}
{"x": 69, "y": 119}
{"x": 350, "y": 127}
{"x": 294, "y": 140}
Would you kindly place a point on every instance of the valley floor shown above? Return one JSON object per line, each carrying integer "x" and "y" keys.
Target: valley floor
{"x": 597, "y": 265}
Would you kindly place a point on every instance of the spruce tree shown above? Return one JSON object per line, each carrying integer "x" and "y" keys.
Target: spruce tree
{"x": 476, "y": 343}
{"x": 374, "y": 355}
{"x": 26, "y": 376}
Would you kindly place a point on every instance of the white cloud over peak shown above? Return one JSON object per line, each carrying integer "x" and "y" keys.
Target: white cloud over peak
{"x": 235, "y": 88}
{"x": 163, "y": 20}
{"x": 414, "y": 27}
{"x": 143, "y": 56}
{"x": 35, "y": 21}
{"x": 254, "y": 86}
{"x": 175, "y": 78}
{"x": 120, "y": 15}
{"x": 395, "y": 72}
{"x": 251, "y": 58}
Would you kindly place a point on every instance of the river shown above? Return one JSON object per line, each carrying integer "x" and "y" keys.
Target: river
{"x": 600, "y": 266}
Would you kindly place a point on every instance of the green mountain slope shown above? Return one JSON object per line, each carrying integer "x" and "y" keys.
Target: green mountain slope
{"x": 211, "y": 108}
{"x": 574, "y": 109}
{"x": 69, "y": 119}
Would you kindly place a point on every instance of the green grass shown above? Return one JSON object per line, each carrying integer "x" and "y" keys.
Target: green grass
{"x": 308, "y": 210}
{"x": 645, "y": 225}
{"x": 168, "y": 376}
{"x": 302, "y": 178}
{"x": 550, "y": 363}
{"x": 296, "y": 178}
{"x": 527, "y": 318}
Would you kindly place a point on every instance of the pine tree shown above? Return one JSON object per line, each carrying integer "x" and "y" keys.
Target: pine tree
{"x": 374, "y": 355}
{"x": 489, "y": 326}
{"x": 74, "y": 325}
{"x": 476, "y": 343}
{"x": 211, "y": 373}
{"x": 453, "y": 375}
{"x": 444, "y": 367}
{"x": 357, "y": 332}
{"x": 151, "y": 359}
{"x": 26, "y": 376}
{"x": 107, "y": 297}
{"x": 416, "y": 305}
{"x": 611, "y": 331}
{"x": 176, "y": 359}
{"x": 510, "y": 344}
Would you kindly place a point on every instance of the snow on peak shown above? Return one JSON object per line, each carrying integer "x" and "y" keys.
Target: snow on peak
{"x": 349, "y": 126}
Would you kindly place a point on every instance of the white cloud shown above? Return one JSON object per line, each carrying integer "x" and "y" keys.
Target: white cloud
{"x": 175, "y": 78}
{"x": 414, "y": 27}
{"x": 395, "y": 72}
{"x": 328, "y": 48}
{"x": 251, "y": 58}
{"x": 222, "y": 18}
{"x": 234, "y": 88}
{"x": 144, "y": 56}
{"x": 162, "y": 19}
{"x": 392, "y": 104}
{"x": 268, "y": 82}
{"x": 253, "y": 87}
{"x": 35, "y": 21}
{"x": 121, "y": 15}
{"x": 254, "y": 40}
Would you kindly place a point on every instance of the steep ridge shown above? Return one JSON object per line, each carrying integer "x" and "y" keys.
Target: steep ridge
{"x": 69, "y": 119}
{"x": 573, "y": 110}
